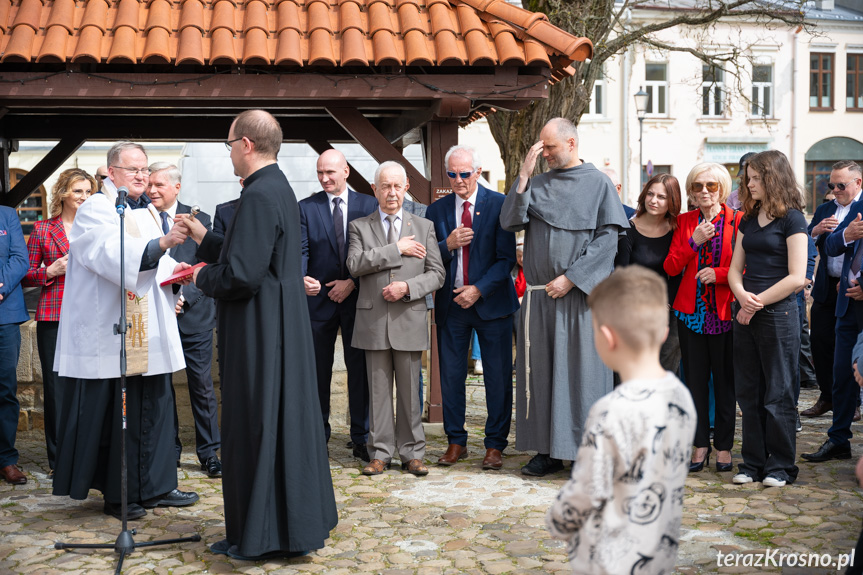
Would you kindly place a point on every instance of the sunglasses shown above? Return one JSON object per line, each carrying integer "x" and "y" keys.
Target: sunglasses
{"x": 841, "y": 187}
{"x": 712, "y": 187}
{"x": 462, "y": 175}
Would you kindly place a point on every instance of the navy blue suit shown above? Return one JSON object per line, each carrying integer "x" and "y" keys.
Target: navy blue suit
{"x": 492, "y": 257}
{"x": 321, "y": 261}
{"x": 196, "y": 325}
{"x": 223, "y": 216}
{"x": 823, "y": 312}
{"x": 849, "y": 323}
{"x": 14, "y": 263}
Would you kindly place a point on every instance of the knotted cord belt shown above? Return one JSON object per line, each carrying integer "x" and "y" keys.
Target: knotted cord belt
{"x": 527, "y": 292}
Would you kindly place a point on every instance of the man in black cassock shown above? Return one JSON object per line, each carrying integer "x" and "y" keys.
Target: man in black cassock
{"x": 276, "y": 479}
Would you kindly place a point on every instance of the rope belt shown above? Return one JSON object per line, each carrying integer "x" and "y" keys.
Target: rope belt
{"x": 527, "y": 292}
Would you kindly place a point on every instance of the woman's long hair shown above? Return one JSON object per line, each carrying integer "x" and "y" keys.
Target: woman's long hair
{"x": 781, "y": 190}
{"x": 672, "y": 194}
{"x": 63, "y": 188}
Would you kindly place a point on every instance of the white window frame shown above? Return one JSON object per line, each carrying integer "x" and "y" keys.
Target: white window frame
{"x": 758, "y": 99}
{"x": 655, "y": 87}
{"x": 714, "y": 90}
{"x": 600, "y": 90}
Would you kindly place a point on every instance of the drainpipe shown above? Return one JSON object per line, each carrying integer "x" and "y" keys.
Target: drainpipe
{"x": 794, "y": 76}
{"x": 625, "y": 155}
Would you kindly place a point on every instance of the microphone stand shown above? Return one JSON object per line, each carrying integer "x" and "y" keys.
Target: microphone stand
{"x": 125, "y": 544}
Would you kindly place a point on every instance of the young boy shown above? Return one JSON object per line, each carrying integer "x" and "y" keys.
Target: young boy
{"x": 621, "y": 510}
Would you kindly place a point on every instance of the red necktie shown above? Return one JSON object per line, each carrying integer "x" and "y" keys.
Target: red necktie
{"x": 465, "y": 251}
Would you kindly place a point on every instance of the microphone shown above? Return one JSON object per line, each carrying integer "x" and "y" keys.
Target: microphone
{"x": 120, "y": 204}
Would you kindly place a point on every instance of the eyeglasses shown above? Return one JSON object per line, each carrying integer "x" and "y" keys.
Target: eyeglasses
{"x": 712, "y": 187}
{"x": 134, "y": 171}
{"x": 462, "y": 175}
{"x": 229, "y": 142}
{"x": 841, "y": 187}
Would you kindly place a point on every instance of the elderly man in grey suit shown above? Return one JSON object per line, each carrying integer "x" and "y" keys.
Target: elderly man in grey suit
{"x": 392, "y": 253}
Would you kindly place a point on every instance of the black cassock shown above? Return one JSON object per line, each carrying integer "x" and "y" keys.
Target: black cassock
{"x": 277, "y": 484}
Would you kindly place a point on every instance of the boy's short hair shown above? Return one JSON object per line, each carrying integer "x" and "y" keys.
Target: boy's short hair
{"x": 633, "y": 301}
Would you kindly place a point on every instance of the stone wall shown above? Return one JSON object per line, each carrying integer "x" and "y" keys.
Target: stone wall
{"x": 32, "y": 406}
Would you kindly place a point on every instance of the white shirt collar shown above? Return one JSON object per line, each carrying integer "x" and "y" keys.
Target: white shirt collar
{"x": 841, "y": 207}
{"x": 399, "y": 214}
{"x": 172, "y": 211}
{"x": 343, "y": 197}
{"x": 472, "y": 199}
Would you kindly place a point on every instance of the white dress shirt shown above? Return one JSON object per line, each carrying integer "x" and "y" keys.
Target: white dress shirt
{"x": 834, "y": 265}
{"x": 344, "y": 206}
{"x": 458, "y": 280}
{"x": 386, "y": 222}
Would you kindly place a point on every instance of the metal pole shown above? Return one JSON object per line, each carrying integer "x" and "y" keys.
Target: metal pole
{"x": 640, "y": 155}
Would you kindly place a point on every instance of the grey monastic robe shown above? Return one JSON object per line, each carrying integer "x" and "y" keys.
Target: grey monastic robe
{"x": 572, "y": 219}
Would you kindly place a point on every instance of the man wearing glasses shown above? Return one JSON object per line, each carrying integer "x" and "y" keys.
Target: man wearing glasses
{"x": 88, "y": 350}
{"x": 844, "y": 243}
{"x": 477, "y": 293}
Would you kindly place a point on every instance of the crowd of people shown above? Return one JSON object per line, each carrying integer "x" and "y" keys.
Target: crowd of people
{"x": 711, "y": 295}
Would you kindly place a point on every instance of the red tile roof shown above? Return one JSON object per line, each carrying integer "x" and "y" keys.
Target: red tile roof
{"x": 294, "y": 33}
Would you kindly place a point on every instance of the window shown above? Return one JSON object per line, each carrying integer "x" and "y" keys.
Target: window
{"x": 854, "y": 83}
{"x": 34, "y": 208}
{"x": 656, "y": 86}
{"x": 817, "y": 176}
{"x": 712, "y": 90}
{"x": 821, "y": 81}
{"x": 650, "y": 170}
{"x": 597, "y": 105}
{"x": 762, "y": 91}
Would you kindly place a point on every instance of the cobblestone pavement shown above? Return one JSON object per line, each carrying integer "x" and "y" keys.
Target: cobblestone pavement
{"x": 456, "y": 520}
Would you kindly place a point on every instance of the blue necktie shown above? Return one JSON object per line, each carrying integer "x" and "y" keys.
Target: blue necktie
{"x": 165, "y": 227}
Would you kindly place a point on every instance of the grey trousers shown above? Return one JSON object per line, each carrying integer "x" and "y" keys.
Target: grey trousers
{"x": 405, "y": 432}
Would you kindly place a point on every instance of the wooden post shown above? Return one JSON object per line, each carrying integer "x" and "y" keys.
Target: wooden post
{"x": 438, "y": 137}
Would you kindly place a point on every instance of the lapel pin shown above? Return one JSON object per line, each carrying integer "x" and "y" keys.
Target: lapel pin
{"x": 477, "y": 213}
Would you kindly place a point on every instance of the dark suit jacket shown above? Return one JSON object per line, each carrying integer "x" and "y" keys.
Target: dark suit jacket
{"x": 320, "y": 252}
{"x": 834, "y": 246}
{"x": 199, "y": 311}
{"x": 14, "y": 263}
{"x": 223, "y": 217}
{"x": 819, "y": 289}
{"x": 492, "y": 256}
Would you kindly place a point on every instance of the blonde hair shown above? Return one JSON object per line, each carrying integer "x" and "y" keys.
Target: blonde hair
{"x": 718, "y": 171}
{"x": 63, "y": 188}
{"x": 632, "y": 301}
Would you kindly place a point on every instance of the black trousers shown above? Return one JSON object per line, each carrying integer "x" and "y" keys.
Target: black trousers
{"x": 765, "y": 366}
{"x": 46, "y": 342}
{"x": 702, "y": 356}
{"x": 198, "y": 352}
{"x": 823, "y": 339}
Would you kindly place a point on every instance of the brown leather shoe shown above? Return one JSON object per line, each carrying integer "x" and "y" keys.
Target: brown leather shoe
{"x": 819, "y": 408}
{"x": 376, "y": 467}
{"x": 453, "y": 453}
{"x": 856, "y": 414}
{"x": 493, "y": 459}
{"x": 13, "y": 475}
{"x": 416, "y": 467}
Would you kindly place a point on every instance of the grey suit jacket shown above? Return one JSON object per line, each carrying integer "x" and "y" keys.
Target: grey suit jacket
{"x": 400, "y": 325}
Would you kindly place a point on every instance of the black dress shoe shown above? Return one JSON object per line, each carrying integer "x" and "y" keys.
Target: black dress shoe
{"x": 133, "y": 510}
{"x": 361, "y": 451}
{"x": 542, "y": 465}
{"x": 234, "y": 553}
{"x": 828, "y": 451}
{"x": 212, "y": 466}
{"x": 175, "y": 498}
{"x": 695, "y": 467}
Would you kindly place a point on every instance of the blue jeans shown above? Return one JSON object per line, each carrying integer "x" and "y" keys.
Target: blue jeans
{"x": 10, "y": 345}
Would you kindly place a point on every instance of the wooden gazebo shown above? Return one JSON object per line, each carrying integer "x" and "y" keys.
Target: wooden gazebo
{"x": 382, "y": 73}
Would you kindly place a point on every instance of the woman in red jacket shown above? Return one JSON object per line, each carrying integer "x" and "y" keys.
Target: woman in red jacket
{"x": 49, "y": 251}
{"x": 701, "y": 250}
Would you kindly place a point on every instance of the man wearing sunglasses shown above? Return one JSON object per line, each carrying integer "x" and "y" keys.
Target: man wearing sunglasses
{"x": 844, "y": 242}
{"x": 572, "y": 219}
{"x": 477, "y": 293}
{"x": 827, "y": 217}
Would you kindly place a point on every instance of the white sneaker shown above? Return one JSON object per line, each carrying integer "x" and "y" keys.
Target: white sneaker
{"x": 771, "y": 481}
{"x": 477, "y": 367}
{"x": 741, "y": 478}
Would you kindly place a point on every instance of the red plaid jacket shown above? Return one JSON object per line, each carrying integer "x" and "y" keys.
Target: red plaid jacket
{"x": 47, "y": 244}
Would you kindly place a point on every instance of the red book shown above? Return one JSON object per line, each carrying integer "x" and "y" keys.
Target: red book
{"x": 180, "y": 276}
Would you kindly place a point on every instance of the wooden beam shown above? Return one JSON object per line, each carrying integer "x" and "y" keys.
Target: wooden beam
{"x": 394, "y": 129}
{"x": 355, "y": 179}
{"x": 380, "y": 148}
{"x": 6, "y": 148}
{"x": 43, "y": 170}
